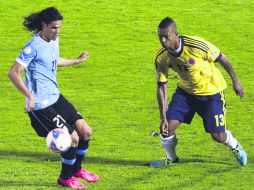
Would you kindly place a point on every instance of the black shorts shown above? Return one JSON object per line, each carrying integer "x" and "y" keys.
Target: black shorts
{"x": 60, "y": 114}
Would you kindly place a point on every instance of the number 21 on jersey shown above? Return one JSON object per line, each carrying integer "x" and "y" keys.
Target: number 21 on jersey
{"x": 54, "y": 65}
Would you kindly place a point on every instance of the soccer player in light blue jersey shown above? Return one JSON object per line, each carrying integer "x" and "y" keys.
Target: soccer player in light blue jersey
{"x": 45, "y": 105}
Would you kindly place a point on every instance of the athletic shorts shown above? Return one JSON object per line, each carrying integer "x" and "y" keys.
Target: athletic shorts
{"x": 61, "y": 113}
{"x": 211, "y": 108}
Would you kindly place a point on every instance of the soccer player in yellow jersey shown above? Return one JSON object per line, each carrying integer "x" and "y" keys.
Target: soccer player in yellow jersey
{"x": 200, "y": 90}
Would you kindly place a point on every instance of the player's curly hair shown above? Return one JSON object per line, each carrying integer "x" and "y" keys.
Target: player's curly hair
{"x": 33, "y": 22}
{"x": 166, "y": 22}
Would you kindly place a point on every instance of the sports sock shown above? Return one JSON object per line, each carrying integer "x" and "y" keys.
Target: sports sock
{"x": 81, "y": 151}
{"x": 68, "y": 160}
{"x": 230, "y": 141}
{"x": 169, "y": 144}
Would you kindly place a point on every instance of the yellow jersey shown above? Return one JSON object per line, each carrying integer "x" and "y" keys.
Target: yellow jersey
{"x": 194, "y": 64}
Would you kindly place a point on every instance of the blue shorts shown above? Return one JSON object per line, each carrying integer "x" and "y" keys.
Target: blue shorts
{"x": 211, "y": 108}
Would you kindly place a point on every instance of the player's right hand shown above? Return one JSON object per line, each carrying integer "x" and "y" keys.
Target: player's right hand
{"x": 164, "y": 127}
{"x": 30, "y": 104}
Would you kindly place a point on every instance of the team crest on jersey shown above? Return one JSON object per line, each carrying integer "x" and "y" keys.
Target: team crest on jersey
{"x": 191, "y": 61}
{"x": 27, "y": 50}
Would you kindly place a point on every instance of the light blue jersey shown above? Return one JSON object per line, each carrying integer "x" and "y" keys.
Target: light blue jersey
{"x": 40, "y": 61}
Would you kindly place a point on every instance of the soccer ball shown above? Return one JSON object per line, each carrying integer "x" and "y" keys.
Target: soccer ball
{"x": 58, "y": 140}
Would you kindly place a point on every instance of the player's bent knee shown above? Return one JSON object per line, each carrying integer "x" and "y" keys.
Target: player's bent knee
{"x": 75, "y": 139}
{"x": 87, "y": 132}
{"x": 219, "y": 137}
{"x": 83, "y": 130}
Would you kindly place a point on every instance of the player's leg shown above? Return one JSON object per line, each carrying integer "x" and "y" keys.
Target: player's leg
{"x": 75, "y": 119}
{"x": 236, "y": 148}
{"x": 84, "y": 132}
{"x": 228, "y": 139}
{"x": 68, "y": 160}
{"x": 169, "y": 140}
{"x": 214, "y": 118}
{"x": 44, "y": 121}
{"x": 225, "y": 137}
{"x": 179, "y": 111}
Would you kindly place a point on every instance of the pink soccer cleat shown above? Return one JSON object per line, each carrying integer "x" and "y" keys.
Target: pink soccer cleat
{"x": 86, "y": 175}
{"x": 72, "y": 182}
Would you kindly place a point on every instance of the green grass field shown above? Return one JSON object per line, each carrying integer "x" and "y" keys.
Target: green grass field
{"x": 115, "y": 92}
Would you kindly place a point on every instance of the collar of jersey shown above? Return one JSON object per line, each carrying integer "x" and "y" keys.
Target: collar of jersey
{"x": 51, "y": 41}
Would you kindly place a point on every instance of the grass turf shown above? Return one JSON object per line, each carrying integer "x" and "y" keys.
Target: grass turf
{"x": 115, "y": 91}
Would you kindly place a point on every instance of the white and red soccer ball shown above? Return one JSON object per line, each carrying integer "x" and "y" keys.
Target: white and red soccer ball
{"x": 58, "y": 140}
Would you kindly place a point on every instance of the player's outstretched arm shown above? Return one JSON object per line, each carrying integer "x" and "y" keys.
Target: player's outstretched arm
{"x": 15, "y": 76}
{"x": 66, "y": 62}
{"x": 237, "y": 86}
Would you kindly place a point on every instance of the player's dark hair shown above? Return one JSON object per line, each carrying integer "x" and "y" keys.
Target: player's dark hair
{"x": 166, "y": 22}
{"x": 33, "y": 22}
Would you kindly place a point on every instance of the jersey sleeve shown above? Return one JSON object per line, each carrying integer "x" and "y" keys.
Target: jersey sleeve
{"x": 161, "y": 71}
{"x": 27, "y": 55}
{"x": 213, "y": 52}
{"x": 203, "y": 48}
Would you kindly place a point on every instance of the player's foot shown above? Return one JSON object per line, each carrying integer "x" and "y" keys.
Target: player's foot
{"x": 240, "y": 155}
{"x": 72, "y": 182}
{"x": 163, "y": 163}
{"x": 86, "y": 175}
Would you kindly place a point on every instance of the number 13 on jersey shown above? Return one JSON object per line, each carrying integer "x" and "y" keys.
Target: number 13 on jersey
{"x": 219, "y": 120}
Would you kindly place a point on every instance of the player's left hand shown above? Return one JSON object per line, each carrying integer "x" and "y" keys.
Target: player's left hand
{"x": 83, "y": 56}
{"x": 238, "y": 88}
